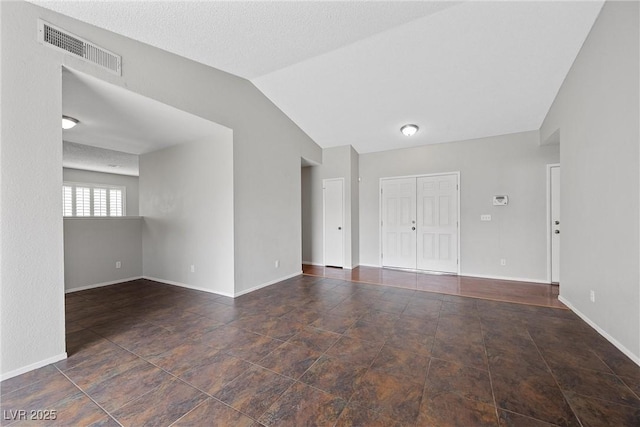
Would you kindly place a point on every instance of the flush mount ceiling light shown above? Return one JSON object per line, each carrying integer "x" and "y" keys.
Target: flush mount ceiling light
{"x": 68, "y": 122}
{"x": 409, "y": 130}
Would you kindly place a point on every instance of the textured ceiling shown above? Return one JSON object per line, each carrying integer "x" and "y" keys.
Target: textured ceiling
{"x": 246, "y": 38}
{"x": 86, "y": 157}
{"x": 354, "y": 72}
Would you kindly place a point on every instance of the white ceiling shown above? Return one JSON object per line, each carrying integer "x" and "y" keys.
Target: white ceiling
{"x": 246, "y": 38}
{"x": 354, "y": 72}
{"x": 116, "y": 126}
{"x": 117, "y": 119}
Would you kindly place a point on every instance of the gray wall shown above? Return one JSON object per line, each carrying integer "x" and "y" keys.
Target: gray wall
{"x": 91, "y": 177}
{"x": 513, "y": 164}
{"x": 337, "y": 162}
{"x": 266, "y": 156}
{"x": 93, "y": 245}
{"x": 186, "y": 200}
{"x": 597, "y": 114}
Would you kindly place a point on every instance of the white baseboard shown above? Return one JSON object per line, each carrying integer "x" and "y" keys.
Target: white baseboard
{"x": 634, "y": 357}
{"x": 99, "y": 285}
{"x": 264, "y": 285}
{"x": 370, "y": 265}
{"x": 313, "y": 263}
{"x": 33, "y": 366}
{"x": 184, "y": 285}
{"x": 511, "y": 279}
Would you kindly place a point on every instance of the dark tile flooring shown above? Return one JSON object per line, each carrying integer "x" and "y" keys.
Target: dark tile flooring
{"x": 317, "y": 351}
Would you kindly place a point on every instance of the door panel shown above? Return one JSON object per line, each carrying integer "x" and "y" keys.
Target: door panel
{"x": 438, "y": 226}
{"x": 444, "y": 217}
{"x": 399, "y": 209}
{"x": 333, "y": 226}
{"x": 428, "y": 249}
{"x": 428, "y": 214}
{"x": 444, "y": 251}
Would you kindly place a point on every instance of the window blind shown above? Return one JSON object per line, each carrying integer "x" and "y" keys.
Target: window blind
{"x": 67, "y": 200}
{"x": 80, "y": 199}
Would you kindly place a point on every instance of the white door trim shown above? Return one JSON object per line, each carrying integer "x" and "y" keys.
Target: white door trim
{"x": 324, "y": 231}
{"x": 549, "y": 261}
{"x": 457, "y": 173}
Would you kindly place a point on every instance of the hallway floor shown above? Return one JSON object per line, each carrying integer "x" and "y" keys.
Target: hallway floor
{"x": 319, "y": 351}
{"x": 544, "y": 295}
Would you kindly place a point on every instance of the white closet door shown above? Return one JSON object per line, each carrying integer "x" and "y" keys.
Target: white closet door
{"x": 437, "y": 223}
{"x": 333, "y": 222}
{"x": 398, "y": 223}
{"x": 555, "y": 224}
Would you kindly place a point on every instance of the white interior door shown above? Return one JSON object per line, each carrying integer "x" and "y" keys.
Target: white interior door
{"x": 554, "y": 172}
{"x": 333, "y": 222}
{"x": 399, "y": 223}
{"x": 437, "y": 223}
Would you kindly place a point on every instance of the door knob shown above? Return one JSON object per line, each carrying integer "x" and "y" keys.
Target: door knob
{"x": 339, "y": 228}
{"x": 413, "y": 228}
{"x": 557, "y": 222}
{"x": 557, "y": 231}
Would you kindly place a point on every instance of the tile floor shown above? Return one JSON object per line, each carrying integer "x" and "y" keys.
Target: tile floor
{"x": 317, "y": 351}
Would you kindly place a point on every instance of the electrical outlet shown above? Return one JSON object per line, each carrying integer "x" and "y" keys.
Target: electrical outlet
{"x": 277, "y": 263}
{"x": 193, "y": 268}
{"x": 503, "y": 261}
{"x": 485, "y": 217}
{"x": 592, "y": 296}
{"x": 118, "y": 264}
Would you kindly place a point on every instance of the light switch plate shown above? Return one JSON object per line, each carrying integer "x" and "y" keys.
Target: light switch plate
{"x": 485, "y": 217}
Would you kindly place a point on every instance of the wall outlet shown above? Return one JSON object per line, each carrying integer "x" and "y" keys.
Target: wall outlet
{"x": 592, "y": 296}
{"x": 193, "y": 268}
{"x": 118, "y": 264}
{"x": 503, "y": 261}
{"x": 277, "y": 263}
{"x": 485, "y": 217}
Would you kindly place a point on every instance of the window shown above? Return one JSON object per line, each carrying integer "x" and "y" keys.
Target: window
{"x": 67, "y": 200}
{"x": 115, "y": 202}
{"x": 100, "y": 202}
{"x": 92, "y": 200}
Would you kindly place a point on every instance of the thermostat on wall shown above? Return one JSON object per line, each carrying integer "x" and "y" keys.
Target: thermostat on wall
{"x": 500, "y": 200}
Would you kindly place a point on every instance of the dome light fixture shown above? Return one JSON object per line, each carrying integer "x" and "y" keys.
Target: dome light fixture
{"x": 69, "y": 122}
{"x": 409, "y": 130}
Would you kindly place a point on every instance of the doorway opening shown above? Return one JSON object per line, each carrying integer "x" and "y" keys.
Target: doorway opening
{"x": 172, "y": 170}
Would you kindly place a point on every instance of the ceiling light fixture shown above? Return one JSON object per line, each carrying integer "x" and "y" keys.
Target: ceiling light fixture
{"x": 409, "y": 130}
{"x": 68, "y": 122}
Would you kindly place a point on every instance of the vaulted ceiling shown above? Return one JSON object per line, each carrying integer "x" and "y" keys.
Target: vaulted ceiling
{"x": 353, "y": 72}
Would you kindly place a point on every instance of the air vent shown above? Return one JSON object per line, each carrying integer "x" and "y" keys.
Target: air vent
{"x": 64, "y": 40}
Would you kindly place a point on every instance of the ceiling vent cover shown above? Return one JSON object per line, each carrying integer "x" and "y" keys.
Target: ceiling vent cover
{"x": 64, "y": 40}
